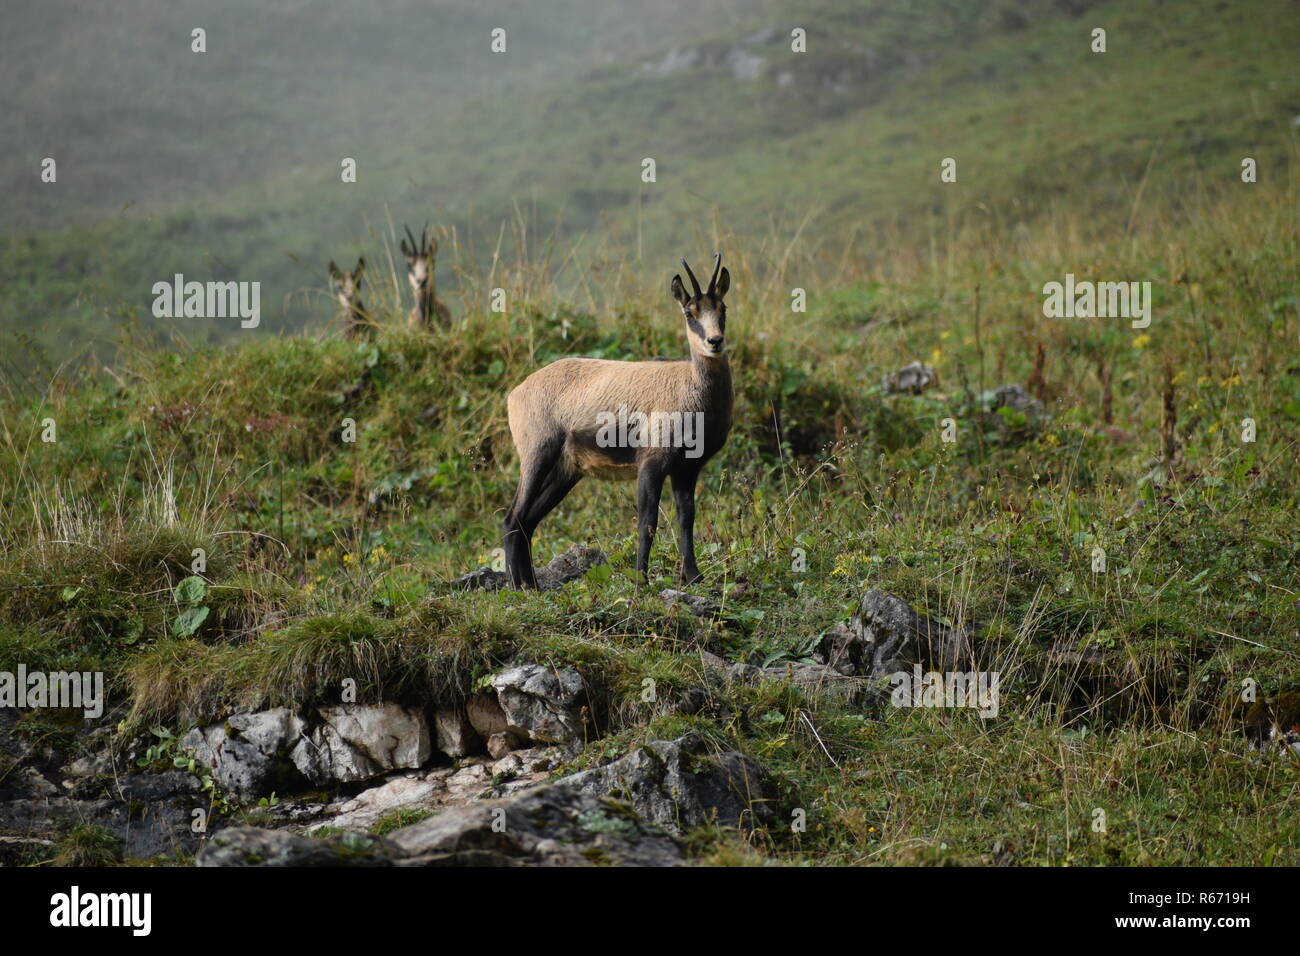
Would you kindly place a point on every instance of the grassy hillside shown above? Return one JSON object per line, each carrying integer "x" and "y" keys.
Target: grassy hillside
{"x": 329, "y": 560}
{"x": 832, "y": 154}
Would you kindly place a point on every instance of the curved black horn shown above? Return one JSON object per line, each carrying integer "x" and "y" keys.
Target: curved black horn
{"x": 414, "y": 248}
{"x": 694, "y": 281}
{"x": 424, "y": 238}
{"x": 717, "y": 268}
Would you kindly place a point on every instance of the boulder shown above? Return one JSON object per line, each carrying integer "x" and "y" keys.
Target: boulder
{"x": 910, "y": 379}
{"x": 500, "y": 744}
{"x": 251, "y": 846}
{"x": 814, "y": 679}
{"x": 365, "y": 809}
{"x": 542, "y": 704}
{"x": 885, "y": 636}
{"x": 1015, "y": 398}
{"x": 699, "y": 606}
{"x": 248, "y": 754}
{"x": 357, "y": 742}
{"x": 681, "y": 784}
{"x": 545, "y": 826}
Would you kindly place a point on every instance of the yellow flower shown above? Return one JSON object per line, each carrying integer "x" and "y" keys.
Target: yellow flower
{"x": 1141, "y": 341}
{"x": 347, "y": 557}
{"x": 1213, "y": 428}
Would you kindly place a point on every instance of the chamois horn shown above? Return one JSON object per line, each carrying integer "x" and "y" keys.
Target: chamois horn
{"x": 694, "y": 281}
{"x": 717, "y": 268}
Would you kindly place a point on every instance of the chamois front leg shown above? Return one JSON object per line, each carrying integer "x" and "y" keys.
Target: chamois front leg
{"x": 684, "y": 498}
{"x": 649, "y": 487}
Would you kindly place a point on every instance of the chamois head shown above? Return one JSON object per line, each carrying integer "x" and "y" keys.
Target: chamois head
{"x": 705, "y": 312}
{"x": 419, "y": 261}
{"x": 346, "y": 286}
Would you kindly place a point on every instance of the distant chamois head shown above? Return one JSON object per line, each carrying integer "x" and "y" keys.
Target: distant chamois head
{"x": 705, "y": 312}
{"x": 346, "y": 286}
{"x": 419, "y": 260}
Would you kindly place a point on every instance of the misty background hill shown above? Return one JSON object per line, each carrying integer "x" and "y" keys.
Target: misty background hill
{"x": 226, "y": 164}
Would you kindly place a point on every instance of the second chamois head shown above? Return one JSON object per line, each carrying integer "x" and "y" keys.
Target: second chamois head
{"x": 421, "y": 260}
{"x": 346, "y": 287}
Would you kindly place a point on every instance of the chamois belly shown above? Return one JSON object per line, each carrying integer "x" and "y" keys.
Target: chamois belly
{"x": 583, "y": 455}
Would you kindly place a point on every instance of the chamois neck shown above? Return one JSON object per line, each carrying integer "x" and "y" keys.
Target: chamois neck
{"x": 710, "y": 371}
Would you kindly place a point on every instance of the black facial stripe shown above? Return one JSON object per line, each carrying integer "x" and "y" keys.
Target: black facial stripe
{"x": 694, "y": 324}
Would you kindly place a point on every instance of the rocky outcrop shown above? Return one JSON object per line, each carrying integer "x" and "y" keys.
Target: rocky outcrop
{"x": 544, "y": 826}
{"x": 427, "y": 791}
{"x": 251, "y": 846}
{"x": 683, "y": 784}
{"x": 541, "y": 704}
{"x": 354, "y": 742}
{"x": 252, "y": 755}
{"x": 547, "y": 826}
{"x": 248, "y": 755}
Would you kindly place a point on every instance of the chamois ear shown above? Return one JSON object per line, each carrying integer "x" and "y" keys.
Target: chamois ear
{"x": 724, "y": 283}
{"x": 334, "y": 270}
{"x": 679, "y": 291}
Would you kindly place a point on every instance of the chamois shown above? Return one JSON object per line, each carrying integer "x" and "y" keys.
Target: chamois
{"x": 346, "y": 287}
{"x": 561, "y": 417}
{"x": 420, "y": 262}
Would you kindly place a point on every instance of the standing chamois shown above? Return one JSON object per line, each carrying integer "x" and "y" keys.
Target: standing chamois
{"x": 346, "y": 287}
{"x": 420, "y": 262}
{"x": 672, "y": 417}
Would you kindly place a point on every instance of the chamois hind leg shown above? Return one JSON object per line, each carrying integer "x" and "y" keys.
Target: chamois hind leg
{"x": 559, "y": 482}
{"x": 649, "y": 487}
{"x": 534, "y": 470}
